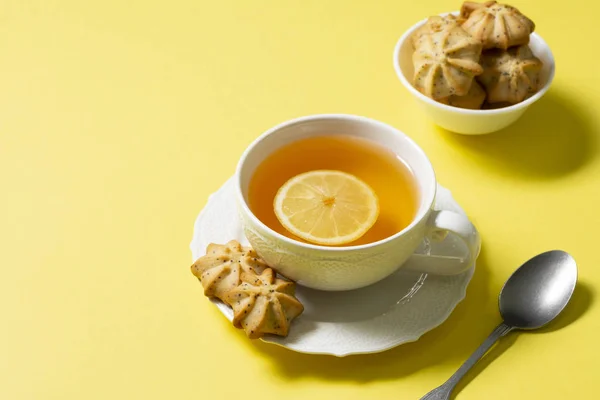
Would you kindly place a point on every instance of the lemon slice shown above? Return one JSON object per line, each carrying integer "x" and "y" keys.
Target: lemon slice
{"x": 326, "y": 207}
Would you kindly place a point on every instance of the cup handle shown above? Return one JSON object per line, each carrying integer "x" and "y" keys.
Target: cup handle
{"x": 439, "y": 224}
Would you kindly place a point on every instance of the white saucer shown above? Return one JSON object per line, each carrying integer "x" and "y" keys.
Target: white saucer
{"x": 397, "y": 310}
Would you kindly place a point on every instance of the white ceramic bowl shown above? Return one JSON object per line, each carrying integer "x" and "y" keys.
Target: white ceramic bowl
{"x": 470, "y": 122}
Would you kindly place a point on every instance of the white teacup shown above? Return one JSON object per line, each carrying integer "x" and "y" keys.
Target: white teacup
{"x": 351, "y": 267}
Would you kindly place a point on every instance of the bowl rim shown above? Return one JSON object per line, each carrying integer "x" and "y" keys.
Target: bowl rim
{"x": 524, "y": 104}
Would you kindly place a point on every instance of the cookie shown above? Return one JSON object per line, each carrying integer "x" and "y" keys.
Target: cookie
{"x": 223, "y": 267}
{"x": 446, "y": 62}
{"x": 264, "y": 304}
{"x": 510, "y": 76}
{"x": 496, "y": 25}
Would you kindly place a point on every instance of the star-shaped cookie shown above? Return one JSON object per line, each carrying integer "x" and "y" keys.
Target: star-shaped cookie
{"x": 223, "y": 267}
{"x": 264, "y": 304}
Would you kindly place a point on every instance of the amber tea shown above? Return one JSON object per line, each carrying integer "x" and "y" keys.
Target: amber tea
{"x": 390, "y": 178}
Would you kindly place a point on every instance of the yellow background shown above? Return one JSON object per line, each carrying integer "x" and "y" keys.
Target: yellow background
{"x": 119, "y": 118}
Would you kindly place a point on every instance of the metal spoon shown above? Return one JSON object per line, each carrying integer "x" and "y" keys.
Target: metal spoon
{"x": 532, "y": 297}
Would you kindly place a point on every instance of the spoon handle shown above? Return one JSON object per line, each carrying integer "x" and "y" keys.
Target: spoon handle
{"x": 443, "y": 392}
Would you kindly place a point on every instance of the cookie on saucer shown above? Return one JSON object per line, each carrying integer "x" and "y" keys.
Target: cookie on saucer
{"x": 223, "y": 266}
{"x": 264, "y": 304}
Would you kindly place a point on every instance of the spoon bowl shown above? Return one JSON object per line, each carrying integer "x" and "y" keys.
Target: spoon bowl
{"x": 539, "y": 290}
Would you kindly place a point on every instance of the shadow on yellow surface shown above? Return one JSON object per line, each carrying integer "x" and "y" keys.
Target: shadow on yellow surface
{"x": 452, "y": 342}
{"x": 553, "y": 138}
{"x": 579, "y": 304}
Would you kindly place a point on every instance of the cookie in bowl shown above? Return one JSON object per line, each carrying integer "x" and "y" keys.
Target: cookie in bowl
{"x": 496, "y": 26}
{"x": 510, "y": 76}
{"x": 446, "y": 62}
